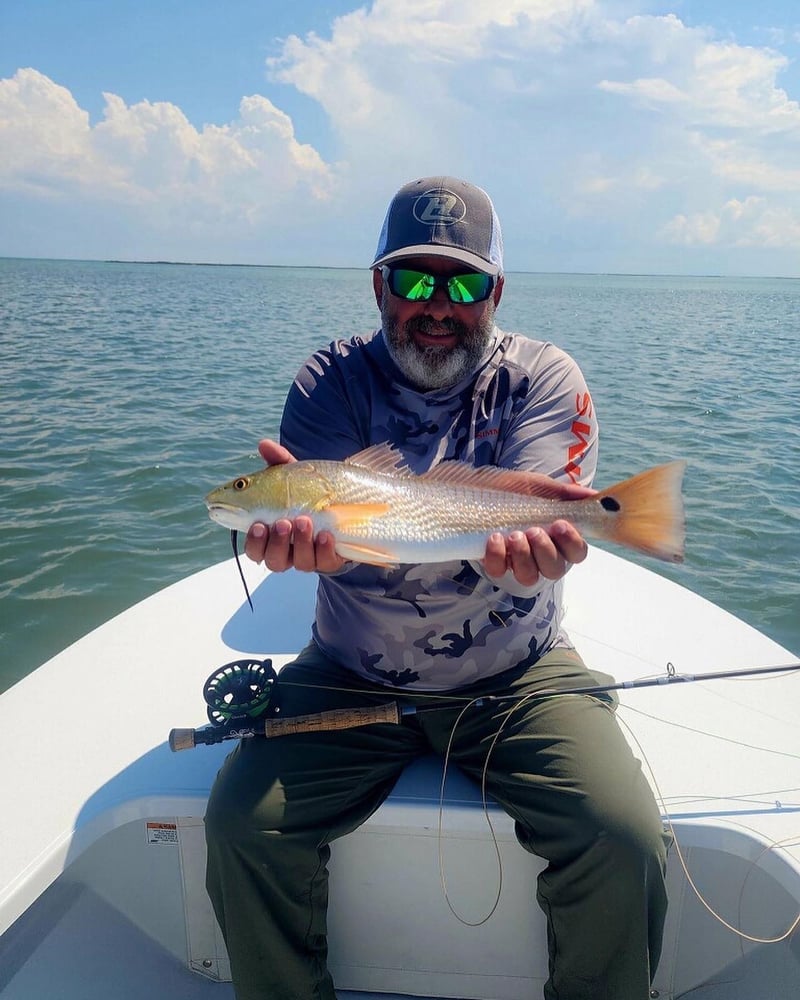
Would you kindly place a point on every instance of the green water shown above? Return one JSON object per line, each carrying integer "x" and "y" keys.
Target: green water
{"x": 128, "y": 390}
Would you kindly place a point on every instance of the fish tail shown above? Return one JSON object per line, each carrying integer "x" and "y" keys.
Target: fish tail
{"x": 647, "y": 511}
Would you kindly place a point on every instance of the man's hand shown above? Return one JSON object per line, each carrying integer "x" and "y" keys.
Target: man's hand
{"x": 546, "y": 552}
{"x": 290, "y": 544}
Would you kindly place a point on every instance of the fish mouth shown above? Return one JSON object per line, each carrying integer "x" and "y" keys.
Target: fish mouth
{"x": 228, "y": 515}
{"x": 214, "y": 505}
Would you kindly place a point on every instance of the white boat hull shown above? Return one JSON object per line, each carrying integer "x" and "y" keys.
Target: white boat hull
{"x": 96, "y": 896}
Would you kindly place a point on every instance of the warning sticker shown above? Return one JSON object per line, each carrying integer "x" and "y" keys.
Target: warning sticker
{"x": 162, "y": 833}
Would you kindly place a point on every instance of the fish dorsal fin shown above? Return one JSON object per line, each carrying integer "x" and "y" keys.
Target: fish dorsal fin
{"x": 380, "y": 458}
{"x": 491, "y": 477}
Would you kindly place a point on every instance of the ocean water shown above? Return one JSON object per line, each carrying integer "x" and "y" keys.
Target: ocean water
{"x": 129, "y": 390}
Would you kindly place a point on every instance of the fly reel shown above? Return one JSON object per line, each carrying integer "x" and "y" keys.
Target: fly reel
{"x": 238, "y": 696}
{"x": 239, "y": 690}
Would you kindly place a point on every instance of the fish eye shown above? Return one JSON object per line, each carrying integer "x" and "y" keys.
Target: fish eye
{"x": 241, "y": 483}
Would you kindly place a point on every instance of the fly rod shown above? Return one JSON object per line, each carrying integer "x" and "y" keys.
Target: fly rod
{"x": 239, "y": 693}
{"x": 662, "y": 680}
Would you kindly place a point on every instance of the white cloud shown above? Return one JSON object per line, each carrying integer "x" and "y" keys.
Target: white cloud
{"x": 149, "y": 154}
{"x": 422, "y": 75}
{"x": 43, "y": 133}
{"x": 753, "y": 222}
{"x": 653, "y": 91}
{"x": 715, "y": 84}
{"x": 603, "y": 115}
{"x": 590, "y": 128}
{"x": 701, "y": 227}
{"x": 768, "y": 166}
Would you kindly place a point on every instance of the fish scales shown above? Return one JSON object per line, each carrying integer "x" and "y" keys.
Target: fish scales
{"x": 430, "y": 511}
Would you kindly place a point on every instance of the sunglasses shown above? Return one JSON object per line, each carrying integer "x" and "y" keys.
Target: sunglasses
{"x": 419, "y": 286}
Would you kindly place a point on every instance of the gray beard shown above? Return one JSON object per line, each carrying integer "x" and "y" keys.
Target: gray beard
{"x": 435, "y": 367}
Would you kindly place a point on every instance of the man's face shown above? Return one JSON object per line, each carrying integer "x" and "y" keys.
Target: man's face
{"x": 435, "y": 343}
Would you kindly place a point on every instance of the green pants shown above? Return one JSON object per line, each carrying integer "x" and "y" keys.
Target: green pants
{"x": 561, "y": 769}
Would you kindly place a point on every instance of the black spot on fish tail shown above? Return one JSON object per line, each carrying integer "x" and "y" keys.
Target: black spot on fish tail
{"x": 610, "y": 504}
{"x": 235, "y": 547}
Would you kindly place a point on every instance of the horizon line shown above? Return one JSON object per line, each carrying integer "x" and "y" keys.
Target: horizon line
{"x": 346, "y": 267}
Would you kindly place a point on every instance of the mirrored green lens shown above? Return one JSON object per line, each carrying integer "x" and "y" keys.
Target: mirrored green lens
{"x": 469, "y": 287}
{"x": 412, "y": 285}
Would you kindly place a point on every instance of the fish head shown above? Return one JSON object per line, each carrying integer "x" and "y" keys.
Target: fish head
{"x": 256, "y": 496}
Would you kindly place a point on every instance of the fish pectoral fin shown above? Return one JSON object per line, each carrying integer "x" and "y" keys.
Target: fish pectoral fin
{"x": 351, "y": 516}
{"x": 370, "y": 554}
{"x": 348, "y": 518}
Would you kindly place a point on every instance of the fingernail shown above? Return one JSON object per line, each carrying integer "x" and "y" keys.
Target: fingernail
{"x": 282, "y": 528}
{"x": 258, "y": 530}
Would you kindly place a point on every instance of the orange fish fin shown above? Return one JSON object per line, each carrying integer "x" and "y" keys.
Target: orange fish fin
{"x": 492, "y": 477}
{"x": 380, "y": 458}
{"x": 351, "y": 516}
{"x": 648, "y": 512}
{"x": 370, "y": 554}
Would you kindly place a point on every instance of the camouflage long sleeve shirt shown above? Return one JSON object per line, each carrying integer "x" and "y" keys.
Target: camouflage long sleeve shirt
{"x": 443, "y": 625}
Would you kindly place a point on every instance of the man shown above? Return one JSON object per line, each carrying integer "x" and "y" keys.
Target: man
{"x": 440, "y": 381}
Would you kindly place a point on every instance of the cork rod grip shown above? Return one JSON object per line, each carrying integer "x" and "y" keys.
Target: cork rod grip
{"x": 235, "y": 729}
{"x": 339, "y": 718}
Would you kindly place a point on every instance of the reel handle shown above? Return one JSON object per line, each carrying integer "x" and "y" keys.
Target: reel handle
{"x": 318, "y": 722}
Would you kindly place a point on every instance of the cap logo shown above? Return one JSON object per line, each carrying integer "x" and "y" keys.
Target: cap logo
{"x": 442, "y": 208}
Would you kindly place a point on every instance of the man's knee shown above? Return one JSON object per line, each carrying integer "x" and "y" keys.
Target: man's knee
{"x": 239, "y": 804}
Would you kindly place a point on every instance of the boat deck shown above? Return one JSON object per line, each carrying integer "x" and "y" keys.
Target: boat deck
{"x": 90, "y": 910}
{"x": 77, "y": 947}
{"x": 74, "y": 946}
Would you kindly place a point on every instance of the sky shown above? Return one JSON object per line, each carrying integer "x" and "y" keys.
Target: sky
{"x": 614, "y": 136}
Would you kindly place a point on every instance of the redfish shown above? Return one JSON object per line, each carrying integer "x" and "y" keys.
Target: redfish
{"x": 381, "y": 513}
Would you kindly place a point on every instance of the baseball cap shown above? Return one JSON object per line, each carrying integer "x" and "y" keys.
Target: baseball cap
{"x": 442, "y": 217}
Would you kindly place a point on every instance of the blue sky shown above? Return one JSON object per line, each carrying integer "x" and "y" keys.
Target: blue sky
{"x": 613, "y": 135}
